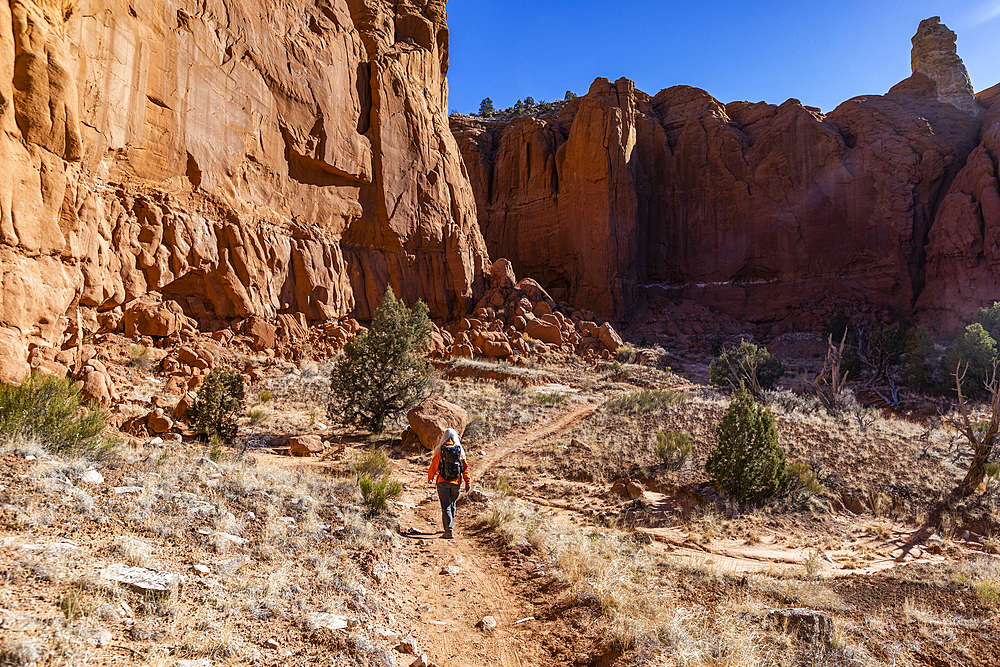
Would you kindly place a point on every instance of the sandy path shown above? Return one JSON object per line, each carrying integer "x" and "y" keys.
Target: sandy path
{"x": 454, "y": 604}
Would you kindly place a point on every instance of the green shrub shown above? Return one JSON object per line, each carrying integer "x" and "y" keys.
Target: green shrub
{"x": 372, "y": 463}
{"x": 989, "y": 318}
{"x": 918, "y": 355}
{"x": 512, "y": 387}
{"x": 257, "y": 416}
{"x": 382, "y": 373}
{"x": 976, "y": 350}
{"x": 647, "y": 400}
{"x": 627, "y": 354}
{"x": 673, "y": 448}
{"x": 750, "y": 362}
{"x": 265, "y": 396}
{"x": 550, "y": 398}
{"x": 376, "y": 494}
{"x": 747, "y": 463}
{"x": 50, "y": 411}
{"x": 801, "y": 479}
{"x": 219, "y": 405}
{"x": 139, "y": 357}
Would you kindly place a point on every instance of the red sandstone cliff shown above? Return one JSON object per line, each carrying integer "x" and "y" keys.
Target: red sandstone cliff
{"x": 244, "y": 158}
{"x": 757, "y": 210}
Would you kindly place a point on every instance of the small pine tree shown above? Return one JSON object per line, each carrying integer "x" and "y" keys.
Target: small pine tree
{"x": 570, "y": 95}
{"x": 486, "y": 107}
{"x": 977, "y": 349}
{"x": 219, "y": 406}
{"x": 529, "y": 101}
{"x": 918, "y": 351}
{"x": 382, "y": 373}
{"x": 747, "y": 463}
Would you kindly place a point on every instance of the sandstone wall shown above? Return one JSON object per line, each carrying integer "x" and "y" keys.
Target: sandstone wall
{"x": 758, "y": 210}
{"x": 246, "y": 158}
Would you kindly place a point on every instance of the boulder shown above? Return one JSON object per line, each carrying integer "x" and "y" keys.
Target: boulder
{"x": 158, "y": 422}
{"x": 609, "y": 337}
{"x": 502, "y": 275}
{"x": 431, "y": 417}
{"x": 185, "y": 404}
{"x": 544, "y": 331}
{"x": 98, "y": 387}
{"x": 305, "y": 445}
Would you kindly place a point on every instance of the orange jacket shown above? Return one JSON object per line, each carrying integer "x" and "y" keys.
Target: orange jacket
{"x": 432, "y": 472}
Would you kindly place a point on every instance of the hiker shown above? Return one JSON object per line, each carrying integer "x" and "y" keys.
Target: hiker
{"x": 450, "y": 467}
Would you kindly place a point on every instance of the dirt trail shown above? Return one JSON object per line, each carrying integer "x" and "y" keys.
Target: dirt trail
{"x": 447, "y": 607}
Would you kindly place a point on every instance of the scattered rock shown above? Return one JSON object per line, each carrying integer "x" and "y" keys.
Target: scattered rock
{"x": 272, "y": 644}
{"x": 407, "y": 645}
{"x": 422, "y": 661}
{"x": 142, "y": 579}
{"x": 488, "y": 624}
{"x": 380, "y": 571}
{"x": 202, "y": 569}
{"x": 451, "y": 570}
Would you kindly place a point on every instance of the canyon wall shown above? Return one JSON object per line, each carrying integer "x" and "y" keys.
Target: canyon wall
{"x": 242, "y": 158}
{"x": 757, "y": 210}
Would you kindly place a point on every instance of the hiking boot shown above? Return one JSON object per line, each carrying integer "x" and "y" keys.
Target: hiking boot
{"x": 448, "y": 535}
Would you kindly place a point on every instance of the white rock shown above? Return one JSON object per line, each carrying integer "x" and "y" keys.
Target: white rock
{"x": 202, "y": 569}
{"x": 159, "y": 441}
{"x": 119, "y": 490}
{"x": 319, "y": 620}
{"x": 142, "y": 579}
{"x": 92, "y": 477}
{"x": 488, "y": 624}
{"x": 230, "y": 538}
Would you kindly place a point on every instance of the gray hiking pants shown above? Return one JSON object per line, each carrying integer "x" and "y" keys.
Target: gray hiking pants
{"x": 448, "y": 494}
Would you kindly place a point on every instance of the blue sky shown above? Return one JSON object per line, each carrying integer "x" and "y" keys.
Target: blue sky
{"x": 821, "y": 53}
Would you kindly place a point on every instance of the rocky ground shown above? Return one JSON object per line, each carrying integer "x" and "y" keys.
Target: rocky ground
{"x": 579, "y": 543}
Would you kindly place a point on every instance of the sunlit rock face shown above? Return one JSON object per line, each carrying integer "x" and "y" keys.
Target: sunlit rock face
{"x": 243, "y": 158}
{"x": 935, "y": 55}
{"x": 758, "y": 210}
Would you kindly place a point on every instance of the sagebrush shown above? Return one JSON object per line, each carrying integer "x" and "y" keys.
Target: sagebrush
{"x": 51, "y": 411}
{"x": 749, "y": 363}
{"x": 376, "y": 494}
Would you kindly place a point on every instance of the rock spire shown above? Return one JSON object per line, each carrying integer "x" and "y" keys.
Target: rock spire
{"x": 935, "y": 55}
